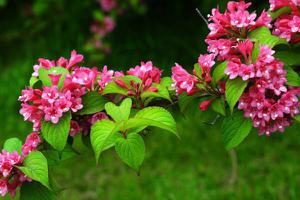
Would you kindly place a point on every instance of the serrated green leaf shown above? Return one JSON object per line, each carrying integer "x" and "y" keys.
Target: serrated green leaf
{"x": 13, "y": 144}
{"x": 131, "y": 150}
{"x": 57, "y": 134}
{"x": 44, "y": 75}
{"x": 35, "y": 191}
{"x": 218, "y": 72}
{"x": 35, "y": 167}
{"x": 263, "y": 36}
{"x": 234, "y": 90}
{"x": 218, "y": 106}
{"x": 92, "y": 102}
{"x": 119, "y": 113}
{"x": 102, "y": 136}
{"x": 153, "y": 116}
{"x": 235, "y": 129}
{"x": 292, "y": 77}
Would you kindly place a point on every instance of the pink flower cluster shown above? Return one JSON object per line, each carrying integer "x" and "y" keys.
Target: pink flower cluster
{"x": 268, "y": 102}
{"x": 148, "y": 74}
{"x": 183, "y": 81}
{"x": 10, "y": 177}
{"x": 108, "y": 5}
{"x": 287, "y": 26}
{"x": 103, "y": 27}
{"x": 50, "y": 102}
{"x": 236, "y": 21}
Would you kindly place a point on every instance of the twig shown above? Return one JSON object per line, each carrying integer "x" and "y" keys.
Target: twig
{"x": 200, "y": 14}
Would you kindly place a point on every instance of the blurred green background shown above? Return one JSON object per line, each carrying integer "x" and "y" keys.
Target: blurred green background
{"x": 195, "y": 167}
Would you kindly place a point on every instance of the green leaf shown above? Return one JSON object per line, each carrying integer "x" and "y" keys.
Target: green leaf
{"x": 290, "y": 58}
{"x": 103, "y": 136}
{"x": 33, "y": 80}
{"x": 218, "y": 106}
{"x": 234, "y": 90}
{"x": 92, "y": 102}
{"x": 56, "y": 157}
{"x": 13, "y": 144}
{"x": 44, "y": 75}
{"x": 218, "y": 72}
{"x": 35, "y": 167}
{"x": 235, "y": 129}
{"x": 297, "y": 118}
{"x": 198, "y": 70}
{"x": 113, "y": 88}
{"x": 277, "y": 13}
{"x": 263, "y": 36}
{"x": 166, "y": 82}
{"x": 162, "y": 92}
{"x": 292, "y": 77}
{"x": 185, "y": 100}
{"x": 153, "y": 116}
{"x": 131, "y": 150}
{"x": 119, "y": 113}
{"x": 255, "y": 52}
{"x": 35, "y": 191}
{"x": 57, "y": 134}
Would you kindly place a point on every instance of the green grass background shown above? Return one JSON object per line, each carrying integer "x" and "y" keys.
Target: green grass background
{"x": 194, "y": 167}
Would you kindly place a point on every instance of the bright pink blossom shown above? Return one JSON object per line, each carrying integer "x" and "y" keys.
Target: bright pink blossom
{"x": 288, "y": 27}
{"x": 183, "y": 81}
{"x": 108, "y": 5}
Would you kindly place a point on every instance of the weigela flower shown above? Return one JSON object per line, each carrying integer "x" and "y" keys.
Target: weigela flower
{"x": 147, "y": 72}
{"x": 204, "y": 105}
{"x": 183, "y": 81}
{"x": 50, "y": 103}
{"x": 74, "y": 128}
{"x": 276, "y": 4}
{"x": 85, "y": 76}
{"x": 288, "y": 27}
{"x": 106, "y": 76}
{"x": 103, "y": 27}
{"x": 61, "y": 62}
{"x": 236, "y": 21}
{"x": 206, "y": 62}
{"x": 108, "y": 5}
{"x": 11, "y": 177}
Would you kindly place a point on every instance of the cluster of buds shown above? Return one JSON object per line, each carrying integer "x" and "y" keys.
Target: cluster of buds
{"x": 287, "y": 26}
{"x": 10, "y": 176}
{"x": 147, "y": 73}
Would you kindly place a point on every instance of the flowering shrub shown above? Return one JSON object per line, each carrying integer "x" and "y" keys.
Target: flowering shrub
{"x": 248, "y": 77}
{"x": 104, "y": 22}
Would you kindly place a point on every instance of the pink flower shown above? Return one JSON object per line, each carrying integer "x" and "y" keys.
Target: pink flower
{"x": 31, "y": 143}
{"x": 53, "y": 114}
{"x": 3, "y": 187}
{"x": 233, "y": 70}
{"x": 287, "y": 27}
{"x": 146, "y": 71}
{"x": 204, "y": 105}
{"x": 106, "y": 77}
{"x": 108, "y": 5}
{"x": 75, "y": 128}
{"x": 74, "y": 59}
{"x": 276, "y": 4}
{"x": 97, "y": 117}
{"x": 85, "y": 76}
{"x": 206, "y": 62}
{"x": 183, "y": 81}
